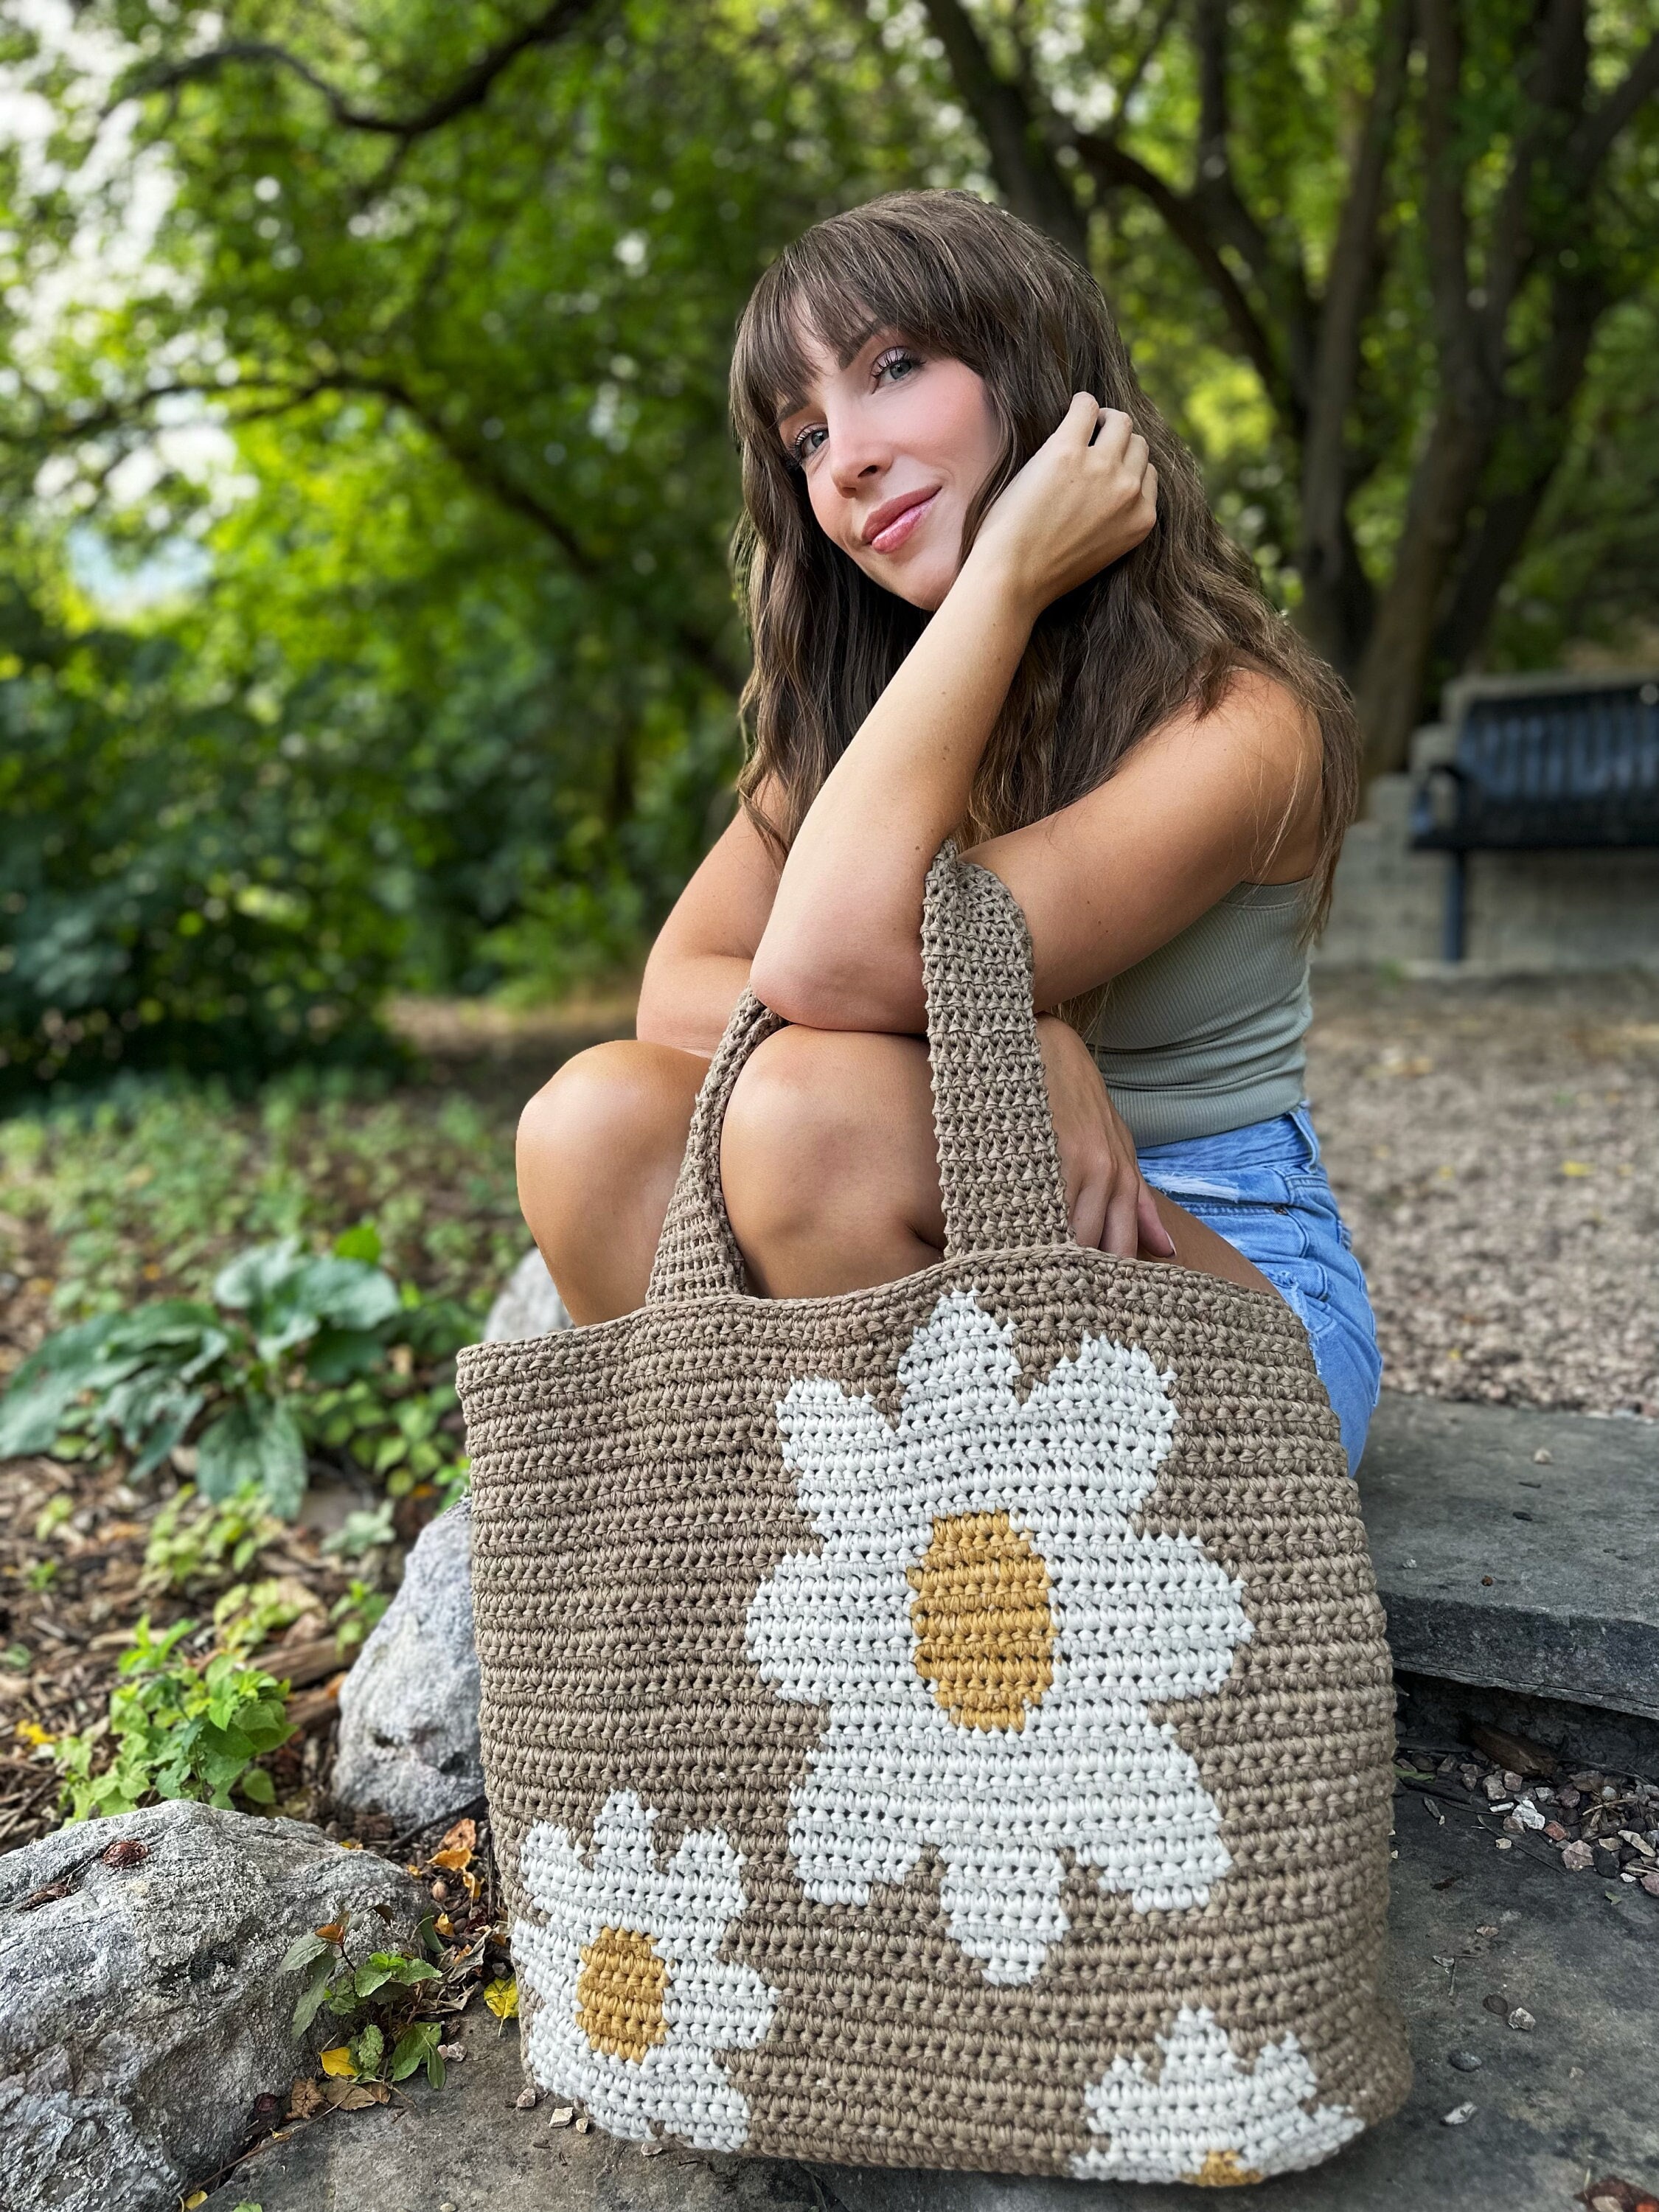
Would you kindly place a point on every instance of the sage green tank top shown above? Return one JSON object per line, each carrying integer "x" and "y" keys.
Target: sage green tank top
{"x": 1207, "y": 1034}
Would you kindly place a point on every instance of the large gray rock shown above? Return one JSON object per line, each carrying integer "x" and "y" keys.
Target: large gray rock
{"x": 143, "y": 2012}
{"x": 408, "y": 1709}
{"x": 528, "y": 1304}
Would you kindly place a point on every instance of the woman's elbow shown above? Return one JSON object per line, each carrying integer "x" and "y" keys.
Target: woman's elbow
{"x": 815, "y": 992}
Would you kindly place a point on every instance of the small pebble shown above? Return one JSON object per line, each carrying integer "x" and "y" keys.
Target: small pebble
{"x": 561, "y": 2116}
{"x": 651, "y": 2150}
{"x": 583, "y": 2124}
{"x": 1650, "y": 1883}
{"x": 1466, "y": 2062}
{"x": 1521, "y": 2018}
{"x": 524, "y": 2101}
{"x": 1458, "y": 2114}
{"x": 1543, "y": 1456}
{"x": 1506, "y": 1842}
{"x": 452, "y": 2052}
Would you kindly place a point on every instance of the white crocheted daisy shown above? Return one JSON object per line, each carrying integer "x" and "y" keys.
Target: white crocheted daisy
{"x": 1204, "y": 2118}
{"x": 634, "y": 1999}
{"x": 985, "y": 1632}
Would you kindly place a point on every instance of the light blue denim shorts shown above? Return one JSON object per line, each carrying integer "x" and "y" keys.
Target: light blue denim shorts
{"x": 1263, "y": 1189}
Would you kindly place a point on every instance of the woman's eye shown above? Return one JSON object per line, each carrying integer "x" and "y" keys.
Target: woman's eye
{"x": 896, "y": 365}
{"x": 807, "y": 442}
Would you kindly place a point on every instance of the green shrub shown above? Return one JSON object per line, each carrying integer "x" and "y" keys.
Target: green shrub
{"x": 286, "y": 1325}
{"x": 179, "y": 1730}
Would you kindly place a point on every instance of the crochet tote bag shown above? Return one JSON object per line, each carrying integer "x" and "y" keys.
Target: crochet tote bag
{"x": 948, "y": 1724}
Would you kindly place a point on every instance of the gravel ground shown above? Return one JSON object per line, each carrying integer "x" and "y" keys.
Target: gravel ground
{"x": 1495, "y": 1148}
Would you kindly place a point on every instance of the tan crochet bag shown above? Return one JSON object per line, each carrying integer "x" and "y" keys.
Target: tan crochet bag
{"x": 949, "y": 1724}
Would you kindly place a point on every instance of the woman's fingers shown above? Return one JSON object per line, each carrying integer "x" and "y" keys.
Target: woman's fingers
{"x": 1122, "y": 1234}
{"x": 1089, "y": 1216}
{"x": 1154, "y": 1237}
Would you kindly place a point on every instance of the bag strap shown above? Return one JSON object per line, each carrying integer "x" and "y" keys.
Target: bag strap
{"x": 999, "y": 1165}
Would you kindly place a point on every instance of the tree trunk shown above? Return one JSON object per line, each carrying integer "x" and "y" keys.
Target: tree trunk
{"x": 1394, "y": 671}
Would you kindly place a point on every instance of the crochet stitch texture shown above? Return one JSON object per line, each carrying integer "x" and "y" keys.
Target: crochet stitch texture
{"x": 974, "y": 1652}
{"x": 1000, "y": 1785}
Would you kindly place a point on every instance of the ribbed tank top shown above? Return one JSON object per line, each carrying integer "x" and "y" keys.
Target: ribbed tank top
{"x": 1207, "y": 1034}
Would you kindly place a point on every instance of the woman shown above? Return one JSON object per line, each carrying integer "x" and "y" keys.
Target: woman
{"x": 984, "y": 603}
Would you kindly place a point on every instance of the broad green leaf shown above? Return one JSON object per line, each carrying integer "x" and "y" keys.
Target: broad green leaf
{"x": 337, "y": 1355}
{"x": 412, "y": 2047}
{"x": 310, "y": 1998}
{"x": 42, "y": 1389}
{"x": 257, "y": 1439}
{"x": 257, "y": 1786}
{"x": 302, "y": 1950}
{"x": 362, "y": 1242}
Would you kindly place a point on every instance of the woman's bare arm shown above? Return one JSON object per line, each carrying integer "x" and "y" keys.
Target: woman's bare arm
{"x": 699, "y": 965}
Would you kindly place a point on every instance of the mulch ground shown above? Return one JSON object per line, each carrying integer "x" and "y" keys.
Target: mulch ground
{"x": 1495, "y": 1148}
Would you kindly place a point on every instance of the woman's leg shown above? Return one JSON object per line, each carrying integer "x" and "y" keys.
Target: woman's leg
{"x": 600, "y": 1148}
{"x": 831, "y": 1177}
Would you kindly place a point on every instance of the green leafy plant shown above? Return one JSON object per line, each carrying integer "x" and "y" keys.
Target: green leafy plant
{"x": 375, "y": 2001}
{"x": 354, "y": 1614}
{"x": 219, "y": 1538}
{"x": 286, "y": 1326}
{"x": 179, "y": 1730}
{"x": 399, "y": 1438}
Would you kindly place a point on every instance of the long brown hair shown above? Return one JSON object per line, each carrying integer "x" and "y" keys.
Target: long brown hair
{"x": 1166, "y": 627}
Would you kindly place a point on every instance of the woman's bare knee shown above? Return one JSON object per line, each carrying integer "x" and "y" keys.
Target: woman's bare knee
{"x": 828, "y": 1162}
{"x": 599, "y": 1149}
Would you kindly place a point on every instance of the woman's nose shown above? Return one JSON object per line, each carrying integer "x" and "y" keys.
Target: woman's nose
{"x": 856, "y": 458}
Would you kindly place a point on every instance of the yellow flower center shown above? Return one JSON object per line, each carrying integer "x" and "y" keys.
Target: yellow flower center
{"x": 982, "y": 1621}
{"x": 619, "y": 1993}
{"x": 1221, "y": 2170}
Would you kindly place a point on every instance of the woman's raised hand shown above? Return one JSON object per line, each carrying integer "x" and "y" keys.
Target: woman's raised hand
{"x": 1075, "y": 508}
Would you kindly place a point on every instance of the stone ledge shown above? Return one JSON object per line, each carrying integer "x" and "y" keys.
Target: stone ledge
{"x": 1499, "y": 1572}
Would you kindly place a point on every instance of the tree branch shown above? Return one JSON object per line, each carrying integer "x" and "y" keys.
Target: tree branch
{"x": 700, "y": 646}
{"x": 1541, "y": 434}
{"x": 1230, "y": 221}
{"x": 469, "y": 89}
{"x": 1113, "y": 170}
{"x": 1329, "y": 562}
{"x": 1456, "y": 322}
{"x": 1025, "y": 167}
{"x": 1592, "y": 141}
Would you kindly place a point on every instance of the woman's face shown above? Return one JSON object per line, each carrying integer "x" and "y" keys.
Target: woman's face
{"x": 894, "y": 447}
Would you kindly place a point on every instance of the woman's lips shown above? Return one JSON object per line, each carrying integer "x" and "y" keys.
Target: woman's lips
{"x": 892, "y": 535}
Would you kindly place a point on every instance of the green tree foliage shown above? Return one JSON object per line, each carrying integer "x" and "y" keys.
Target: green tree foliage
{"x": 456, "y": 702}
{"x": 408, "y": 327}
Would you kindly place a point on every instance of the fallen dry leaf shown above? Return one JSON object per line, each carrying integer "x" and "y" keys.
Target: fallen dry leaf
{"x": 452, "y": 1861}
{"x": 305, "y": 2100}
{"x": 356, "y": 2096}
{"x": 338, "y": 2062}
{"x": 502, "y": 1997}
{"x": 463, "y": 1837}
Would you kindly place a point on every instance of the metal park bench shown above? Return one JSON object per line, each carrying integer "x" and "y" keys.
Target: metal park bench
{"x": 1536, "y": 763}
